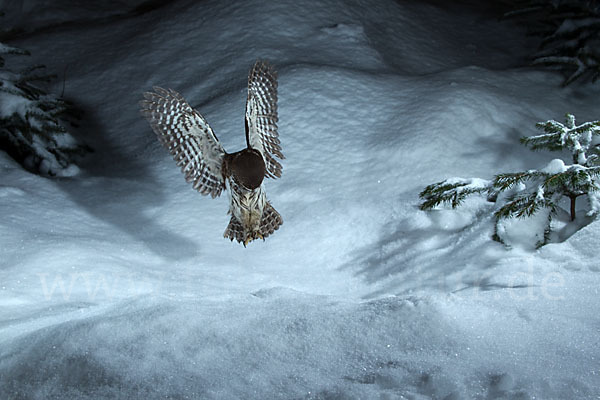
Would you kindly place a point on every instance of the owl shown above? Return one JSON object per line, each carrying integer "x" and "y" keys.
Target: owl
{"x": 210, "y": 169}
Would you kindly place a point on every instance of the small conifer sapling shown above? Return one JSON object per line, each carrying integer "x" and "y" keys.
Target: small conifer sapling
{"x": 523, "y": 194}
{"x": 32, "y": 127}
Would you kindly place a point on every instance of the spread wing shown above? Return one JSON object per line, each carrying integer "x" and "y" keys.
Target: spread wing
{"x": 261, "y": 116}
{"x": 188, "y": 137}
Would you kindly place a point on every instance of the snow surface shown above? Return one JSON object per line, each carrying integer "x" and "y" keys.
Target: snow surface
{"x": 117, "y": 283}
{"x": 11, "y": 103}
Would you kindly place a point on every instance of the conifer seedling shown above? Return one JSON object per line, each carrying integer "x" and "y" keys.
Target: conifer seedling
{"x": 32, "y": 127}
{"x": 523, "y": 194}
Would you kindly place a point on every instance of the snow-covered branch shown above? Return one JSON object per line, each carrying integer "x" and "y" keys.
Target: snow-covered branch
{"x": 32, "y": 130}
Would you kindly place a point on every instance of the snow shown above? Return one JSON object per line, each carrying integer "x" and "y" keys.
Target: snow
{"x": 556, "y": 166}
{"x": 117, "y": 283}
{"x": 11, "y": 103}
{"x": 594, "y": 200}
{"x": 524, "y": 233}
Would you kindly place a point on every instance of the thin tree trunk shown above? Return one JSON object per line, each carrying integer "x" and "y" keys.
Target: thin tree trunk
{"x": 573, "y": 199}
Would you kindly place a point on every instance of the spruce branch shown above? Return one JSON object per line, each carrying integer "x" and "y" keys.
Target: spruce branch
{"x": 569, "y": 136}
{"x": 570, "y": 35}
{"x": 506, "y": 181}
{"x": 451, "y": 191}
{"x": 524, "y": 205}
{"x": 541, "y": 142}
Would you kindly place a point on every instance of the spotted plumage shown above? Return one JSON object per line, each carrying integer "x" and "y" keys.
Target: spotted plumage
{"x": 210, "y": 169}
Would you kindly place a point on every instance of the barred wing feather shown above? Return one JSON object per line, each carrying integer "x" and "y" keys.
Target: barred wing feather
{"x": 188, "y": 137}
{"x": 261, "y": 116}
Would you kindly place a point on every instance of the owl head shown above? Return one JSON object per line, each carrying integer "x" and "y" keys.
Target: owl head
{"x": 248, "y": 168}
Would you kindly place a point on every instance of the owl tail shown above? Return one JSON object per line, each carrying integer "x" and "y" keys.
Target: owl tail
{"x": 270, "y": 222}
{"x": 234, "y": 230}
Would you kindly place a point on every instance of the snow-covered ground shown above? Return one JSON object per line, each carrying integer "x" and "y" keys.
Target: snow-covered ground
{"x": 117, "y": 283}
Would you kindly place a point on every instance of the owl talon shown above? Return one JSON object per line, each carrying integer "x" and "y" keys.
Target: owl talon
{"x": 255, "y": 235}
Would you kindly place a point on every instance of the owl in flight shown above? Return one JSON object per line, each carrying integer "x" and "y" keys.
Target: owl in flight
{"x": 208, "y": 167}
